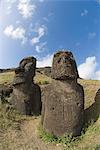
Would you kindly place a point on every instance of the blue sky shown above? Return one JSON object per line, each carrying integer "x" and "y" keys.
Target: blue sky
{"x": 41, "y": 27}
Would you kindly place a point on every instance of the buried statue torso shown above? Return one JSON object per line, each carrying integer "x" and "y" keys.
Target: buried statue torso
{"x": 26, "y": 99}
{"x": 63, "y": 108}
{"x": 63, "y": 103}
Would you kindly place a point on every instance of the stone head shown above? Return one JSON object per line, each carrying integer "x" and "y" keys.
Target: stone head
{"x": 26, "y": 70}
{"x": 64, "y": 66}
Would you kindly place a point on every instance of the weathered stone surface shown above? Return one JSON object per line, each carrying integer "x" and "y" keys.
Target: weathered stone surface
{"x": 97, "y": 103}
{"x": 26, "y": 95}
{"x": 92, "y": 113}
{"x": 47, "y": 71}
{"x": 63, "y": 99}
{"x": 64, "y": 66}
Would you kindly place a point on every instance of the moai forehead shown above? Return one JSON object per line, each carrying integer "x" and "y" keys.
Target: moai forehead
{"x": 25, "y": 71}
{"x": 26, "y": 61}
{"x": 64, "y": 66}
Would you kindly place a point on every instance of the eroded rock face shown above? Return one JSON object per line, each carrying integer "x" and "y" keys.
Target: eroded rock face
{"x": 97, "y": 103}
{"x": 63, "y": 99}
{"x": 26, "y": 95}
{"x": 92, "y": 113}
{"x": 47, "y": 71}
{"x": 64, "y": 66}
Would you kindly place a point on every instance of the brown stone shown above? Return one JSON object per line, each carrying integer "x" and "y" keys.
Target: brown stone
{"x": 26, "y": 95}
{"x": 63, "y": 99}
{"x": 92, "y": 113}
{"x": 64, "y": 66}
{"x": 47, "y": 71}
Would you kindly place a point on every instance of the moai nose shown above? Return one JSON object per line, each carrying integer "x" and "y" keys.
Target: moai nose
{"x": 64, "y": 59}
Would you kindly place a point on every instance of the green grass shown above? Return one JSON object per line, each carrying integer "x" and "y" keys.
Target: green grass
{"x": 7, "y": 78}
{"x": 42, "y": 79}
{"x": 66, "y": 140}
{"x": 9, "y": 117}
{"x": 90, "y": 138}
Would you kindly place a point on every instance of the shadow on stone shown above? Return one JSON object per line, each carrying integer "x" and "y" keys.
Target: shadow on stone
{"x": 92, "y": 113}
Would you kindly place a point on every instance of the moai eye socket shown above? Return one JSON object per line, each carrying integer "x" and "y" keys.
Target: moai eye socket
{"x": 63, "y": 59}
{"x": 59, "y": 60}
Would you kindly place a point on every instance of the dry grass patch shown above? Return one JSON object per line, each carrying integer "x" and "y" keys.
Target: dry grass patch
{"x": 42, "y": 79}
{"x": 20, "y": 133}
{"x": 6, "y": 78}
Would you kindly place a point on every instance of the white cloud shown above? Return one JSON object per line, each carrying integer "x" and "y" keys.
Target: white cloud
{"x": 18, "y": 22}
{"x": 87, "y": 70}
{"x": 17, "y": 33}
{"x": 9, "y": 4}
{"x": 98, "y": 1}
{"x": 41, "y": 31}
{"x": 26, "y": 9}
{"x": 98, "y": 75}
{"x": 84, "y": 13}
{"x": 45, "y": 61}
{"x": 91, "y": 35}
{"x": 35, "y": 40}
{"x": 9, "y": 9}
{"x": 41, "y": 47}
{"x": 11, "y": 1}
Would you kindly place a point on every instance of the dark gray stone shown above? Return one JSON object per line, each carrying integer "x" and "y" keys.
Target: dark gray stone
{"x": 26, "y": 95}
{"x": 47, "y": 71}
{"x": 63, "y": 99}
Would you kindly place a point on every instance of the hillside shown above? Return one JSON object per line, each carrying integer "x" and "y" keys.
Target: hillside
{"x": 20, "y": 132}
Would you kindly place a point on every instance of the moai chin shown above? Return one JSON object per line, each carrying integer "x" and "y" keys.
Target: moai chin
{"x": 63, "y": 99}
{"x": 26, "y": 96}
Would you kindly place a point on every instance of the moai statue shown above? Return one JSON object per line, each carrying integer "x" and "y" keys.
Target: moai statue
{"x": 97, "y": 103}
{"x": 63, "y": 99}
{"x": 26, "y": 95}
{"x": 92, "y": 113}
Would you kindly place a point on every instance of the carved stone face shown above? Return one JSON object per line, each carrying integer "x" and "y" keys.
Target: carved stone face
{"x": 26, "y": 70}
{"x": 64, "y": 66}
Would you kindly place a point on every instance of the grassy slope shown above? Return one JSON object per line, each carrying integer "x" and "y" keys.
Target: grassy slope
{"x": 9, "y": 121}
